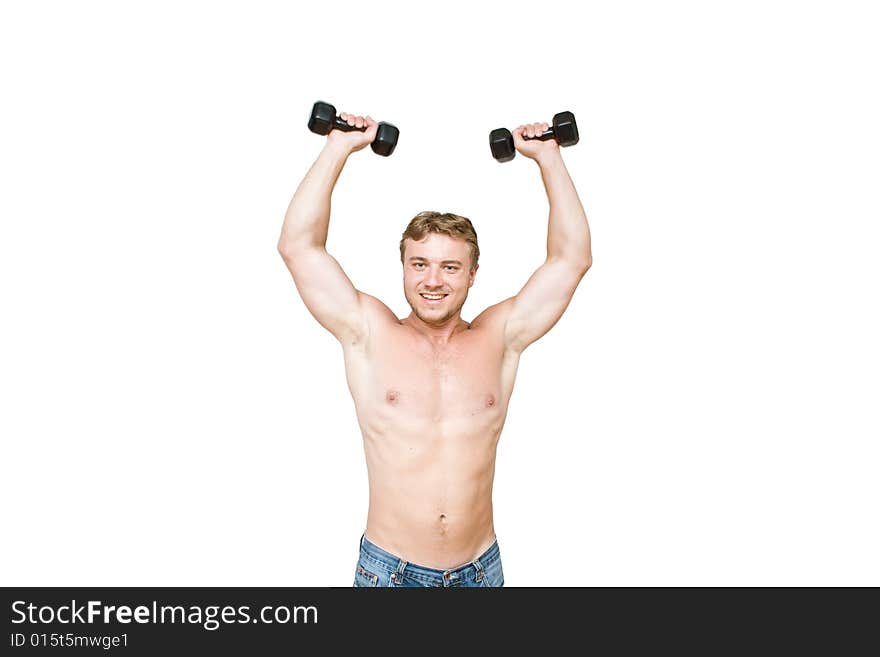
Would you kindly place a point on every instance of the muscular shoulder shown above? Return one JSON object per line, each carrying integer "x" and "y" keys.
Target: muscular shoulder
{"x": 376, "y": 315}
{"x": 372, "y": 315}
{"x": 494, "y": 317}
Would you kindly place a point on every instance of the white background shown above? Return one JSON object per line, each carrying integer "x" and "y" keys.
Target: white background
{"x": 705, "y": 413}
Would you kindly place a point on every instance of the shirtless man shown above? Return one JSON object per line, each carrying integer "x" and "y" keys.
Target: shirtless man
{"x": 431, "y": 390}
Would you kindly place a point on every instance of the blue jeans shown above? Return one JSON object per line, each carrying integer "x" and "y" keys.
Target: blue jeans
{"x": 376, "y": 567}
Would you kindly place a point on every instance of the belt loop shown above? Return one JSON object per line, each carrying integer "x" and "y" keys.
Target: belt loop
{"x": 398, "y": 574}
{"x": 479, "y": 568}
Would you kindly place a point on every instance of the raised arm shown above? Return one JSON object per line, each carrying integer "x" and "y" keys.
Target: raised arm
{"x": 323, "y": 285}
{"x": 546, "y": 295}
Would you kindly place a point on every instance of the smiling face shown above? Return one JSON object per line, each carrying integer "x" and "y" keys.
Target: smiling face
{"x": 437, "y": 276}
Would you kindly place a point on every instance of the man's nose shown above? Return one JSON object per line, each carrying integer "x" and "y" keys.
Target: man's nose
{"x": 432, "y": 278}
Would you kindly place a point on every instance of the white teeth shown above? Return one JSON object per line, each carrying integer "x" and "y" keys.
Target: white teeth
{"x": 433, "y": 296}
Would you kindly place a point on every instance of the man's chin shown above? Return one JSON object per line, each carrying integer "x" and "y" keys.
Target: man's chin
{"x": 433, "y": 318}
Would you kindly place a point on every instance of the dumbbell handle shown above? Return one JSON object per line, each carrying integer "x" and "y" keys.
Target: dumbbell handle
{"x": 544, "y": 136}
{"x": 339, "y": 124}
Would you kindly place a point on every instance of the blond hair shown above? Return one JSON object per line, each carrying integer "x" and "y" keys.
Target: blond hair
{"x": 444, "y": 223}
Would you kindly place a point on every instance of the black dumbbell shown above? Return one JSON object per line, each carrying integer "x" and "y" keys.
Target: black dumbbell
{"x": 324, "y": 119}
{"x": 564, "y": 131}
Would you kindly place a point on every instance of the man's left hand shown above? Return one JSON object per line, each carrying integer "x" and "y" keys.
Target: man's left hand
{"x": 534, "y": 148}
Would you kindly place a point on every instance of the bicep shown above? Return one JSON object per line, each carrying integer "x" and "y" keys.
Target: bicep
{"x": 541, "y": 302}
{"x": 327, "y": 292}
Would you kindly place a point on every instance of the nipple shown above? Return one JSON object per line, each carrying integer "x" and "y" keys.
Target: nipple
{"x": 391, "y": 396}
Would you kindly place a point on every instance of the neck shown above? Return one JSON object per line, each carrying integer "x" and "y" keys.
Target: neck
{"x": 437, "y": 333}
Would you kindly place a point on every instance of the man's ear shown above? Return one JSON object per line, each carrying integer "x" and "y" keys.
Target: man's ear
{"x": 473, "y": 274}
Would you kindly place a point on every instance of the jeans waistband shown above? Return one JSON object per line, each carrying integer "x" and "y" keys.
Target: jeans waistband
{"x": 373, "y": 551}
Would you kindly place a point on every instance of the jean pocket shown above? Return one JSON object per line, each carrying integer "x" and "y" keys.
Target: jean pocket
{"x": 364, "y": 578}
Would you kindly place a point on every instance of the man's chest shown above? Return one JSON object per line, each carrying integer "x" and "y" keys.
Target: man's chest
{"x": 463, "y": 378}
{"x": 466, "y": 373}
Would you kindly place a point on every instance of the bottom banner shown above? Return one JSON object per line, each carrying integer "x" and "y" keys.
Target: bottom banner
{"x": 186, "y": 621}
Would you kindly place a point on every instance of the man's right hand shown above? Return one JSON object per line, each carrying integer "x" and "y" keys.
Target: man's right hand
{"x": 353, "y": 141}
